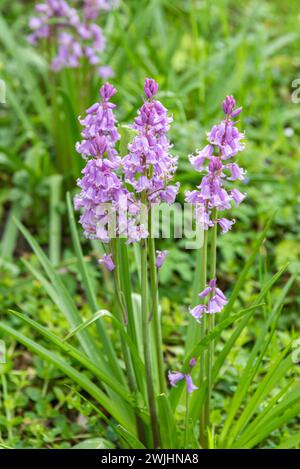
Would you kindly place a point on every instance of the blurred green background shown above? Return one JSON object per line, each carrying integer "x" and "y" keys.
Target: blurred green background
{"x": 198, "y": 51}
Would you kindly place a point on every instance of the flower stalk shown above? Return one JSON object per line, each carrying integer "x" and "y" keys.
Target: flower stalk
{"x": 122, "y": 316}
{"x": 210, "y": 327}
{"x": 186, "y": 429}
{"x": 132, "y": 376}
{"x": 155, "y": 308}
{"x": 146, "y": 344}
{"x": 202, "y": 373}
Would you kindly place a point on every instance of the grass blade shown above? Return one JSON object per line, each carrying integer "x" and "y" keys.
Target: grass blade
{"x": 130, "y": 438}
{"x": 63, "y": 297}
{"x": 55, "y": 228}
{"x": 76, "y": 376}
{"x": 175, "y": 393}
{"x": 87, "y": 323}
{"x": 109, "y": 380}
{"x": 242, "y": 277}
{"x": 254, "y": 360}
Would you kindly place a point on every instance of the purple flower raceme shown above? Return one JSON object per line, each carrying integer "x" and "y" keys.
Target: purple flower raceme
{"x": 216, "y": 302}
{"x": 52, "y": 16}
{"x": 92, "y": 8}
{"x": 160, "y": 258}
{"x": 103, "y": 195}
{"x": 100, "y": 132}
{"x": 100, "y": 183}
{"x": 215, "y": 163}
{"x": 76, "y": 37}
{"x": 176, "y": 376}
{"x": 149, "y": 166}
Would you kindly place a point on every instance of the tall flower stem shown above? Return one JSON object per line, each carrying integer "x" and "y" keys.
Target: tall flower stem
{"x": 186, "y": 430}
{"x": 202, "y": 335}
{"x": 122, "y": 318}
{"x": 122, "y": 315}
{"x": 211, "y": 322}
{"x": 146, "y": 344}
{"x": 125, "y": 281}
{"x": 155, "y": 307}
{"x": 125, "y": 295}
{"x": 55, "y": 228}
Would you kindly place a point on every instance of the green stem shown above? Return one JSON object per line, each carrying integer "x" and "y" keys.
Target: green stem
{"x": 211, "y": 323}
{"x": 195, "y": 330}
{"x": 126, "y": 299}
{"x": 55, "y": 228}
{"x": 55, "y": 121}
{"x": 146, "y": 341}
{"x": 123, "y": 318}
{"x": 155, "y": 309}
{"x": 126, "y": 286}
{"x": 186, "y": 432}
{"x": 202, "y": 335}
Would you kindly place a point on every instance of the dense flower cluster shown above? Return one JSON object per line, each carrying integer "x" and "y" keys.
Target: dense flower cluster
{"x": 149, "y": 166}
{"x": 100, "y": 183}
{"x": 214, "y": 162}
{"x": 92, "y": 8}
{"x": 77, "y": 37}
{"x": 176, "y": 376}
{"x": 216, "y": 301}
{"x": 104, "y": 199}
{"x": 100, "y": 132}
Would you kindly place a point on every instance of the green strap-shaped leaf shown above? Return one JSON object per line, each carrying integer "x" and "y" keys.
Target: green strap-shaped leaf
{"x": 65, "y": 301}
{"x": 175, "y": 393}
{"x": 109, "y": 380}
{"x": 124, "y": 434}
{"x": 85, "y": 324}
{"x": 242, "y": 277}
{"x": 130, "y": 438}
{"x": 76, "y": 376}
{"x": 255, "y": 357}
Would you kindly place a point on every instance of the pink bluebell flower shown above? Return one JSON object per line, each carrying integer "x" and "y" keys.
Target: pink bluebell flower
{"x": 149, "y": 166}
{"x": 237, "y": 196}
{"x": 150, "y": 87}
{"x": 190, "y": 386}
{"x": 107, "y": 261}
{"x": 160, "y": 258}
{"x": 198, "y": 311}
{"x": 176, "y": 376}
{"x": 225, "y": 224}
{"x": 106, "y": 72}
{"x": 224, "y": 142}
{"x": 100, "y": 183}
{"x": 92, "y": 8}
{"x": 216, "y": 302}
